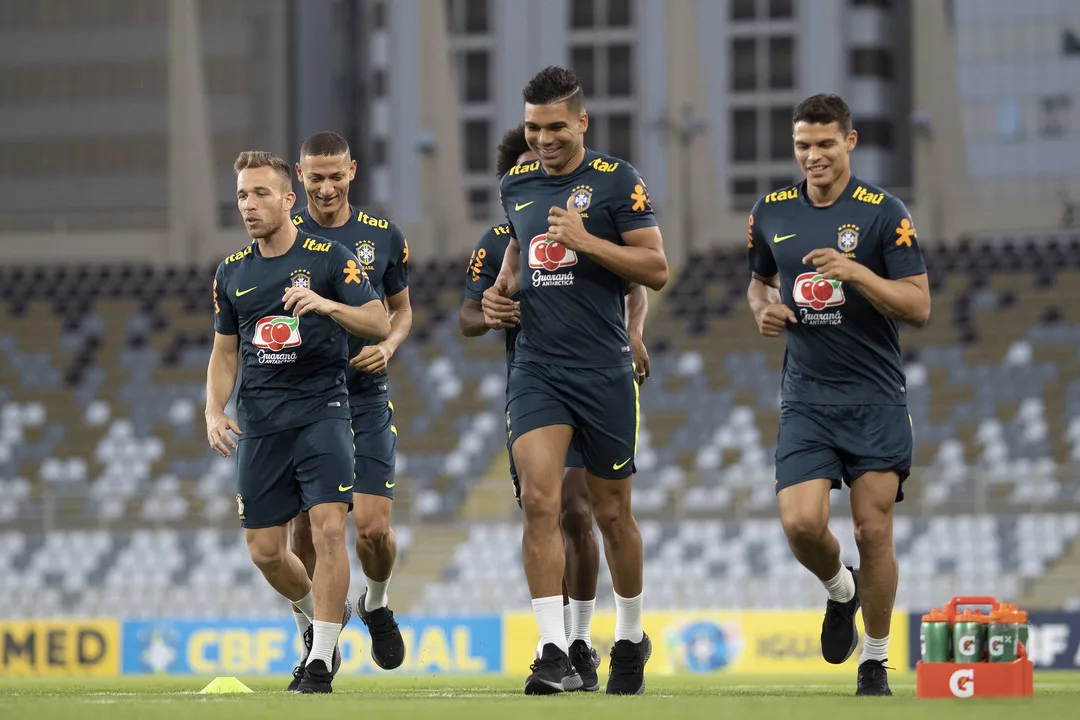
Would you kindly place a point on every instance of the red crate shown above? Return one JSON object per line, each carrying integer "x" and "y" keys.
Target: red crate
{"x": 975, "y": 680}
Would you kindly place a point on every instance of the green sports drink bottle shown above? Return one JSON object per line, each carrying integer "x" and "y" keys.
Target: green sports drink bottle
{"x": 1003, "y": 632}
{"x": 968, "y": 638}
{"x": 934, "y": 637}
{"x": 1022, "y": 627}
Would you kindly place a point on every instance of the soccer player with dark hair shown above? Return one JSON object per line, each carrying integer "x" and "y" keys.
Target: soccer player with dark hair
{"x": 326, "y": 169}
{"x": 284, "y": 306}
{"x": 575, "y": 518}
{"x": 581, "y": 230}
{"x": 836, "y": 266}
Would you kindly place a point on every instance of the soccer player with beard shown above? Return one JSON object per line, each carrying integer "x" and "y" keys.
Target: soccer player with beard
{"x": 326, "y": 169}
{"x": 581, "y": 229}
{"x": 836, "y": 266}
{"x": 284, "y": 306}
{"x": 575, "y": 518}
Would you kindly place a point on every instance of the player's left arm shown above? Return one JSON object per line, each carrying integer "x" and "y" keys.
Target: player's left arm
{"x": 640, "y": 259}
{"x": 375, "y": 358}
{"x": 904, "y": 293}
{"x": 637, "y": 307}
{"x": 355, "y": 306}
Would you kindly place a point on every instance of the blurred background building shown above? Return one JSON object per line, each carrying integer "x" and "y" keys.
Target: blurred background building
{"x": 119, "y": 122}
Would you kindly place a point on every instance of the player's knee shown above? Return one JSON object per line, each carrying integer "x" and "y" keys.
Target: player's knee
{"x": 804, "y": 527}
{"x": 300, "y": 533}
{"x": 327, "y": 533}
{"x": 873, "y": 531}
{"x": 613, "y": 513}
{"x": 539, "y": 505}
{"x": 576, "y": 516}
{"x": 267, "y": 556}
{"x": 373, "y": 530}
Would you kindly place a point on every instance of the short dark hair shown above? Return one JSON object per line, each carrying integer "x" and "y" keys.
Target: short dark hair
{"x": 253, "y": 159}
{"x": 324, "y": 143}
{"x": 555, "y": 84}
{"x": 511, "y": 147}
{"x": 823, "y": 109}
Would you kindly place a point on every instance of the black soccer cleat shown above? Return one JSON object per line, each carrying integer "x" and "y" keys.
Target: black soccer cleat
{"x": 298, "y": 671}
{"x": 839, "y": 636}
{"x": 873, "y": 678}
{"x": 387, "y": 645}
{"x": 309, "y": 640}
{"x": 552, "y": 673}
{"x": 585, "y": 660}
{"x": 626, "y": 671}
{"x": 316, "y": 679}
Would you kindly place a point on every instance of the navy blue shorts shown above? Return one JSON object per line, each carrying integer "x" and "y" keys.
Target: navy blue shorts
{"x": 573, "y": 460}
{"x": 375, "y": 443}
{"x": 842, "y": 442}
{"x": 279, "y": 475}
{"x": 601, "y": 404}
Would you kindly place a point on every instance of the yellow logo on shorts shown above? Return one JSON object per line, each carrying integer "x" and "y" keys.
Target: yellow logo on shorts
{"x": 240, "y": 506}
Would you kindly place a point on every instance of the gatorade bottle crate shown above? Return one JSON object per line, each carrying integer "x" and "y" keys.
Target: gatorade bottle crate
{"x": 973, "y": 655}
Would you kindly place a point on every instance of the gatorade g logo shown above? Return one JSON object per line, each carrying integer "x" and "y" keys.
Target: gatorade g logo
{"x": 812, "y": 290}
{"x": 549, "y": 255}
{"x": 276, "y": 332}
{"x": 967, "y": 645}
{"x": 997, "y": 646}
{"x": 962, "y": 683}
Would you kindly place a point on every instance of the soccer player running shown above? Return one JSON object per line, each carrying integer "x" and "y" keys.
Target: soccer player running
{"x": 836, "y": 264}
{"x": 283, "y": 306}
{"x": 581, "y": 229}
{"x": 582, "y": 564}
{"x": 326, "y": 169}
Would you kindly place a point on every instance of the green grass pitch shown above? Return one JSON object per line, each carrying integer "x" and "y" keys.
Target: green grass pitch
{"x": 1057, "y": 695}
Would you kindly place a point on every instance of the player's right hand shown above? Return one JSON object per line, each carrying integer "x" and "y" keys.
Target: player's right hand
{"x": 217, "y": 433}
{"x": 500, "y": 312}
{"x": 774, "y": 318}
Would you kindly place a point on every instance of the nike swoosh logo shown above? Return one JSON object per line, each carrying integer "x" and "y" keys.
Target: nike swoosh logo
{"x": 782, "y": 238}
{"x": 240, "y": 292}
{"x": 520, "y": 206}
{"x": 391, "y": 484}
{"x": 342, "y": 488}
{"x": 619, "y": 466}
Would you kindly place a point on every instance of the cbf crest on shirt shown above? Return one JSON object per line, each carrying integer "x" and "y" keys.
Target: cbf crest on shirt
{"x": 383, "y": 252}
{"x": 842, "y": 350}
{"x": 293, "y": 368}
{"x": 571, "y": 306}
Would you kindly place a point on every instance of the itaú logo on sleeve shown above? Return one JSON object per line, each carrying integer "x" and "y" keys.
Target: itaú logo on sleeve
{"x": 546, "y": 255}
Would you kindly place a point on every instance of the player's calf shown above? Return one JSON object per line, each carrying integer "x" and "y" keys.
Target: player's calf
{"x": 300, "y": 542}
{"x": 282, "y": 570}
{"x": 873, "y": 496}
{"x": 376, "y": 547}
{"x": 331, "y": 586}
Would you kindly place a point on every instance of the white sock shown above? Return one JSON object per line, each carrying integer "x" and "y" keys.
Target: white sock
{"x": 549, "y": 619}
{"x": 842, "y": 587}
{"x": 305, "y": 605}
{"x": 325, "y": 640}
{"x": 568, "y": 622}
{"x": 628, "y": 618}
{"x": 581, "y": 619}
{"x": 376, "y": 594}
{"x": 302, "y": 611}
{"x": 303, "y": 622}
{"x": 874, "y": 649}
